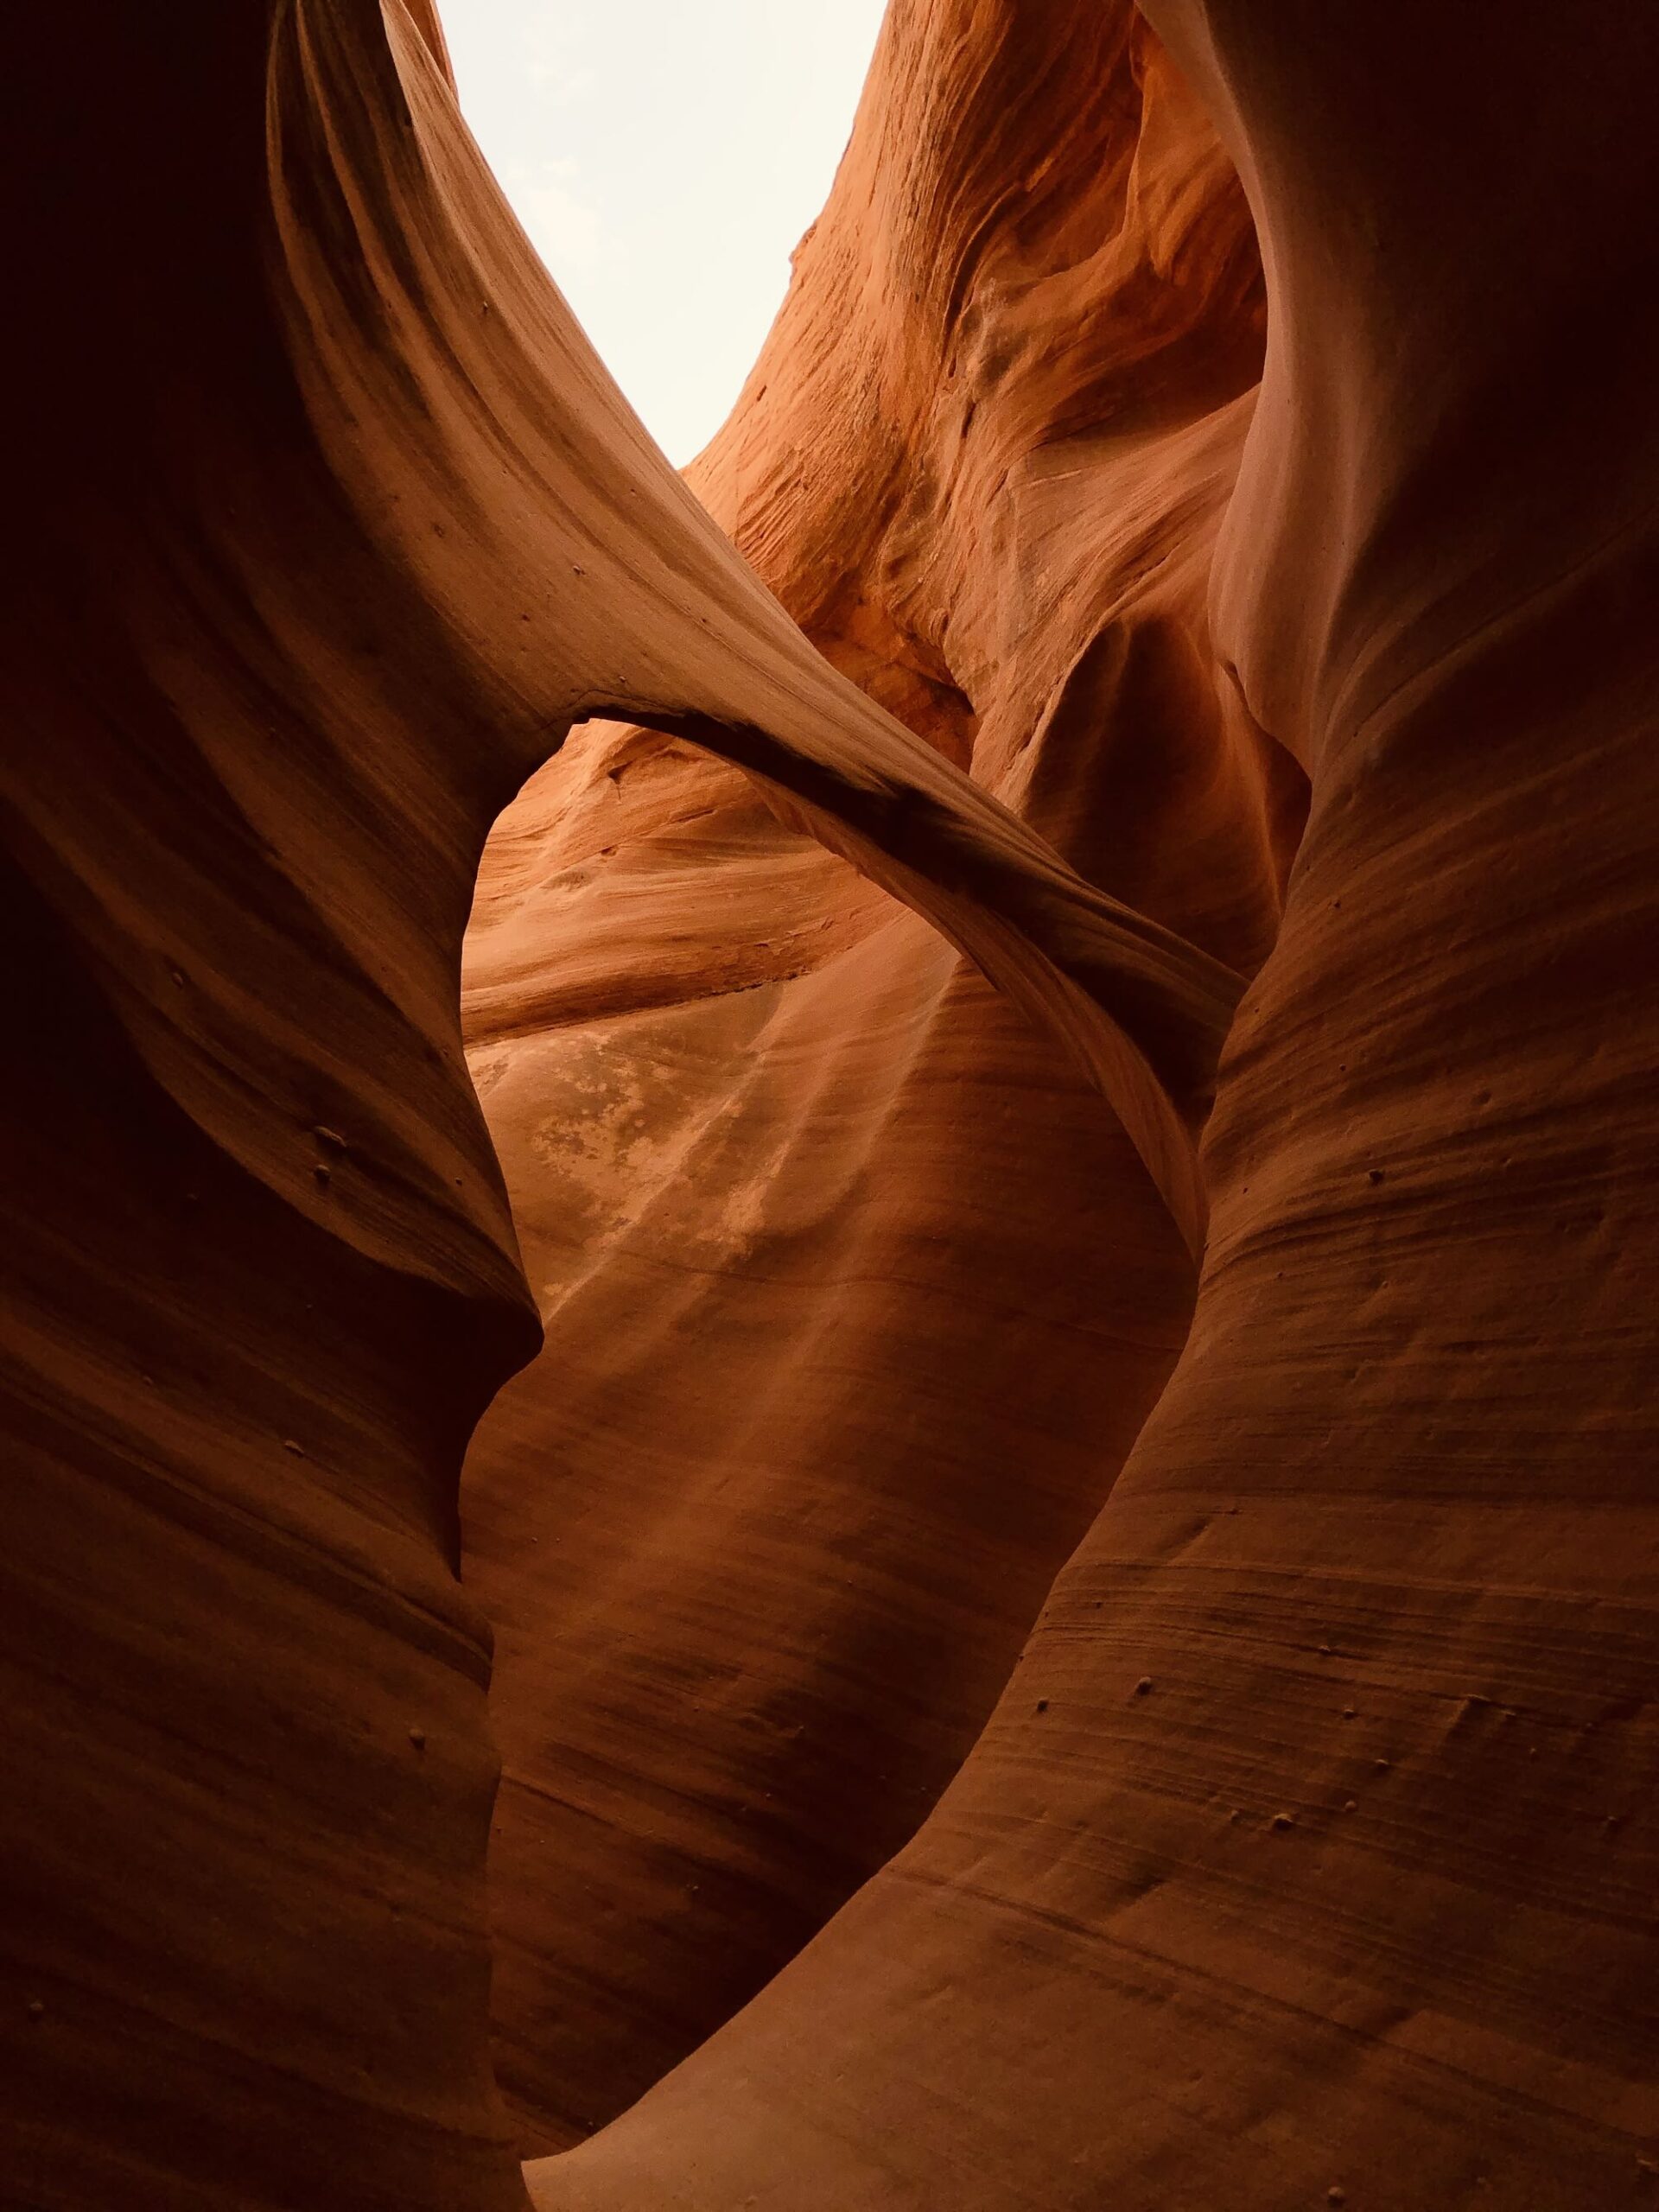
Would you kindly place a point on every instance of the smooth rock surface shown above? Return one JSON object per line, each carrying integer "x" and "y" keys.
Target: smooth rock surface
{"x": 1309, "y": 1857}
{"x": 325, "y": 525}
{"x": 1307, "y": 1854}
{"x": 855, "y": 1300}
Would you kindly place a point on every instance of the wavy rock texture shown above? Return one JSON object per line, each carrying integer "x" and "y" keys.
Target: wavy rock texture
{"x": 854, "y": 1299}
{"x": 1309, "y": 1855}
{"x": 326, "y": 525}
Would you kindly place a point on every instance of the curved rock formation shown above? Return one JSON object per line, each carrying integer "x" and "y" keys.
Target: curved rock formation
{"x": 1309, "y": 1854}
{"x": 854, "y": 1299}
{"x": 330, "y": 525}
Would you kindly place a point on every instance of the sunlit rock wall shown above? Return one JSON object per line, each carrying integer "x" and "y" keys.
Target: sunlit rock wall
{"x": 854, "y": 1297}
{"x": 1178, "y": 1520}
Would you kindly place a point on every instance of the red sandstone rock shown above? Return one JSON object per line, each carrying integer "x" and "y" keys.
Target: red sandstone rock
{"x": 1359, "y": 1906}
{"x": 324, "y": 526}
{"x": 304, "y": 436}
{"x": 853, "y": 1300}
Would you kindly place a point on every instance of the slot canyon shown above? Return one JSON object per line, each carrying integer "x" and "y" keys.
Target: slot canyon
{"x": 829, "y": 1288}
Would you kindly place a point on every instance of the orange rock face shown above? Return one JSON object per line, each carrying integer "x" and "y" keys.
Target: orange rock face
{"x": 855, "y": 1300}
{"x": 1308, "y": 1856}
{"x": 1069, "y": 1049}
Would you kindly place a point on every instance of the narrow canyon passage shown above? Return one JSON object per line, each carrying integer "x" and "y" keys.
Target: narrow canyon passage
{"x": 854, "y": 1296}
{"x": 1057, "y": 1044}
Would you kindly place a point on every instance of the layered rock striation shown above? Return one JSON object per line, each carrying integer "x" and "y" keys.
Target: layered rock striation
{"x": 1308, "y": 1855}
{"x": 1083, "y": 1536}
{"x": 854, "y": 1296}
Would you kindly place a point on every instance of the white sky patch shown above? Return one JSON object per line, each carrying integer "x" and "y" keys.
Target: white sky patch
{"x": 564, "y": 229}
{"x": 554, "y": 38}
{"x": 665, "y": 157}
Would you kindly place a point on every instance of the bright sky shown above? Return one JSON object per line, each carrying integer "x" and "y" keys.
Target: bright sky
{"x": 665, "y": 156}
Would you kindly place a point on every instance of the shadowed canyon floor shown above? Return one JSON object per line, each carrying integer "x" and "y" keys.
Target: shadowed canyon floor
{"x": 1056, "y": 1043}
